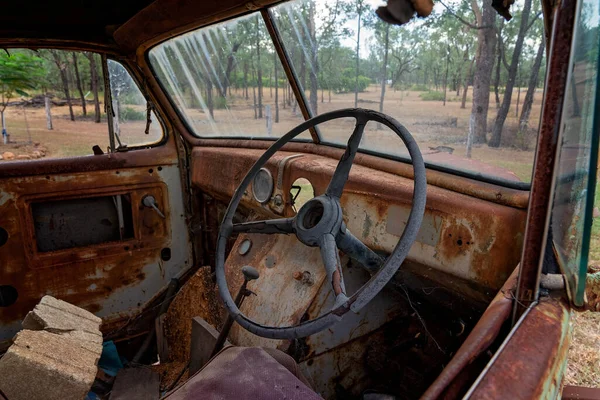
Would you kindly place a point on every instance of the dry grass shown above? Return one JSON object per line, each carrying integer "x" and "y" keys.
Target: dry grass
{"x": 583, "y": 367}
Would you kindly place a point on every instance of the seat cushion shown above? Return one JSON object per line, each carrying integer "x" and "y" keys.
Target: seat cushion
{"x": 244, "y": 373}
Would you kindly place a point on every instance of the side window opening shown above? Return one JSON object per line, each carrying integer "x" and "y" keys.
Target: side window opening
{"x": 52, "y": 105}
{"x": 134, "y": 121}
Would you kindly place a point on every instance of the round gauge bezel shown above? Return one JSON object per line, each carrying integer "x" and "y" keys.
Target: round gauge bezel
{"x": 272, "y": 186}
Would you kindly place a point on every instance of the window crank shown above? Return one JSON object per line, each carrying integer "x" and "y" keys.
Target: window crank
{"x": 150, "y": 201}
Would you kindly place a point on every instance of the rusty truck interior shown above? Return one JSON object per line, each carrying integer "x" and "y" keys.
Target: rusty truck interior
{"x": 378, "y": 272}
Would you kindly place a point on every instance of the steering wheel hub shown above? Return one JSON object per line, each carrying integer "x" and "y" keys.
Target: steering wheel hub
{"x": 319, "y": 216}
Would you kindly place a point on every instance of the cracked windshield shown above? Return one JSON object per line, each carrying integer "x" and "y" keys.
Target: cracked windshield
{"x": 465, "y": 83}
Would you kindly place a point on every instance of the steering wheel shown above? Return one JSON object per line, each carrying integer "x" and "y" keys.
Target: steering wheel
{"x": 319, "y": 223}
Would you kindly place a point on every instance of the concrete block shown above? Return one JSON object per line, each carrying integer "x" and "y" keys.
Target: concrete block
{"x": 59, "y": 318}
{"x": 65, "y": 319}
{"x": 42, "y": 365}
{"x": 204, "y": 338}
{"x": 70, "y": 308}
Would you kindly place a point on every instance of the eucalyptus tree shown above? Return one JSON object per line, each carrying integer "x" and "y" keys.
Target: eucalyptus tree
{"x": 19, "y": 72}
{"x": 512, "y": 74}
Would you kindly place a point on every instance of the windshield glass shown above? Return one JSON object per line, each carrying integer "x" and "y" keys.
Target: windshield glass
{"x": 572, "y": 212}
{"x": 466, "y": 84}
{"x": 423, "y": 75}
{"x": 227, "y": 81}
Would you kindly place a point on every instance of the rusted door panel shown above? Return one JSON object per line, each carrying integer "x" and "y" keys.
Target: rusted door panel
{"x": 467, "y": 237}
{"x": 543, "y": 333}
{"x": 115, "y": 280}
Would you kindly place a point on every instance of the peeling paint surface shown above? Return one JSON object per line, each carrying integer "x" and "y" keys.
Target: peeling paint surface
{"x": 114, "y": 280}
{"x": 464, "y": 236}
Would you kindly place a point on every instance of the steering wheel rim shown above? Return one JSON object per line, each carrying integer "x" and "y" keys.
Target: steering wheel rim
{"x": 380, "y": 279}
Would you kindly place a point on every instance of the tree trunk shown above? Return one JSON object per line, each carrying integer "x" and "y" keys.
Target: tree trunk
{"x": 576, "y": 107}
{"x": 62, "y": 68}
{"x": 359, "y": 12}
{"x": 48, "y": 112}
{"x": 533, "y": 80}
{"x": 226, "y": 83}
{"x": 384, "y": 71}
{"x": 463, "y": 103}
{"x": 314, "y": 62}
{"x": 302, "y": 74}
{"x": 94, "y": 82}
{"x": 4, "y": 131}
{"x": 78, "y": 82}
{"x": 209, "y": 98}
{"x": 498, "y": 64}
{"x": 246, "y": 80}
{"x": 512, "y": 73}
{"x": 518, "y": 94}
{"x": 446, "y": 74}
{"x": 271, "y": 83}
{"x": 486, "y": 43}
{"x": 254, "y": 96}
{"x": 258, "y": 69}
{"x": 276, "y": 88}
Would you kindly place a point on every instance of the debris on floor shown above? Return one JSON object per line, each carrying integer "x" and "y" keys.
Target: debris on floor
{"x": 169, "y": 372}
{"x": 141, "y": 383}
{"x": 197, "y": 298}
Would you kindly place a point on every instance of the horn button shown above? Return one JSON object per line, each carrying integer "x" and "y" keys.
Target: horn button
{"x": 319, "y": 216}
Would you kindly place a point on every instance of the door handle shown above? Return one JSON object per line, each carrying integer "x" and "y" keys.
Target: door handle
{"x": 150, "y": 201}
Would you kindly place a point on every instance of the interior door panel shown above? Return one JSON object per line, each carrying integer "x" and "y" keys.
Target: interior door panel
{"x": 87, "y": 238}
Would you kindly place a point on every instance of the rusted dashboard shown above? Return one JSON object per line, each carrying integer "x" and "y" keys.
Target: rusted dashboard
{"x": 476, "y": 241}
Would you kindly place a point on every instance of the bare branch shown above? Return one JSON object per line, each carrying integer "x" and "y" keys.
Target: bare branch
{"x": 502, "y": 52}
{"x": 464, "y": 21}
{"x": 535, "y": 17}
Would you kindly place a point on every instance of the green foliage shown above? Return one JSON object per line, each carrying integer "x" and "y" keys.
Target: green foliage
{"x": 432, "y": 96}
{"x": 19, "y": 72}
{"x": 220, "y": 103}
{"x": 347, "y": 82}
{"x": 131, "y": 114}
{"x": 419, "y": 88}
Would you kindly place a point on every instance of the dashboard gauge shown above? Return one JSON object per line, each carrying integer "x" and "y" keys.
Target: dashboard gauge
{"x": 262, "y": 186}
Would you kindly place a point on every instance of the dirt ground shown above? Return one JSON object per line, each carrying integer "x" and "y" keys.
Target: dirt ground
{"x": 27, "y": 129}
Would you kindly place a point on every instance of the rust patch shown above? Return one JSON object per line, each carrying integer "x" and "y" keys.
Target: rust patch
{"x": 544, "y": 337}
{"x": 161, "y": 155}
{"x": 456, "y": 240}
{"x": 481, "y": 337}
{"x": 558, "y": 68}
{"x": 197, "y": 298}
{"x": 470, "y": 187}
{"x": 83, "y": 276}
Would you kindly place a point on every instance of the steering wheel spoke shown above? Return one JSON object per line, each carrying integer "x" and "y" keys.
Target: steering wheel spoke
{"x": 280, "y": 225}
{"x": 342, "y": 171}
{"x": 333, "y": 266}
{"x": 358, "y": 251}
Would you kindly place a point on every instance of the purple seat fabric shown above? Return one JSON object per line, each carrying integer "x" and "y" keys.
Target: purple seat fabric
{"x": 246, "y": 373}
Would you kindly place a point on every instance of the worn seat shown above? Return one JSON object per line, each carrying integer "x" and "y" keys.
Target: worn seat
{"x": 247, "y": 373}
